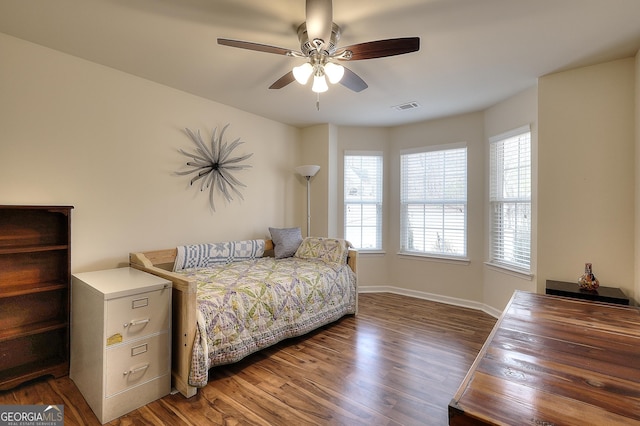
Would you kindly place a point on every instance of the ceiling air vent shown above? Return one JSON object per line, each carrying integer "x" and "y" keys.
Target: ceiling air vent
{"x": 406, "y": 106}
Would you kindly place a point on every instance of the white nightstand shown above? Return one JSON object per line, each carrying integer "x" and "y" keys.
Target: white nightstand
{"x": 120, "y": 339}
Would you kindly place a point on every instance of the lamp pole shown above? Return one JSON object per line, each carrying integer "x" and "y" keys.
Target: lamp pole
{"x": 308, "y": 172}
{"x": 308, "y": 206}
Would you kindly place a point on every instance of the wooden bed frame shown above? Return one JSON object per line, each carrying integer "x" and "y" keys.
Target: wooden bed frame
{"x": 160, "y": 263}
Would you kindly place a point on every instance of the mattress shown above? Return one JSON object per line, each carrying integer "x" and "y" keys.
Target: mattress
{"x": 245, "y": 306}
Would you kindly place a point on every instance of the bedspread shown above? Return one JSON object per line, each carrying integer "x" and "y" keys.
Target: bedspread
{"x": 249, "y": 305}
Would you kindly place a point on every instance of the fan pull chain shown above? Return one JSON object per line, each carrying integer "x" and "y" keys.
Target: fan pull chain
{"x": 318, "y": 101}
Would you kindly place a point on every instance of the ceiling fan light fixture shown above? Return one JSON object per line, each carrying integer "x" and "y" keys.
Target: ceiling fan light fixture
{"x": 303, "y": 72}
{"x": 319, "y": 83}
{"x": 318, "y": 36}
{"x": 334, "y": 72}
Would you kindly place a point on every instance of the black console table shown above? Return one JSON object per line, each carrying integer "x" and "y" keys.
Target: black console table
{"x": 602, "y": 294}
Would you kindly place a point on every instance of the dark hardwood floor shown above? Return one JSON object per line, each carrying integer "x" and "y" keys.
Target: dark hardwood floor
{"x": 398, "y": 362}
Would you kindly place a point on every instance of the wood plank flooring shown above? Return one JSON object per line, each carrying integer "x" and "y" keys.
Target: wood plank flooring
{"x": 398, "y": 362}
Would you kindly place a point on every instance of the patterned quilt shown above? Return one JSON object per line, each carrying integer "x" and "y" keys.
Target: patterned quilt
{"x": 248, "y": 305}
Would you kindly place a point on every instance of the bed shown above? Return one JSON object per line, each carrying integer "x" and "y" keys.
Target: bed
{"x": 231, "y": 299}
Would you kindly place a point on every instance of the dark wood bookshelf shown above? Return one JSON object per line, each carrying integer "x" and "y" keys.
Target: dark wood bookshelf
{"x": 35, "y": 276}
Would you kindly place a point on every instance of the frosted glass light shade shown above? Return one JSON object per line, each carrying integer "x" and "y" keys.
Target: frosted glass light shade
{"x": 307, "y": 170}
{"x": 334, "y": 72}
{"x": 303, "y": 72}
{"x": 319, "y": 84}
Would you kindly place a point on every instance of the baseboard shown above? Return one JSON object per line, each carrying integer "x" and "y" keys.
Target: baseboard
{"x": 433, "y": 297}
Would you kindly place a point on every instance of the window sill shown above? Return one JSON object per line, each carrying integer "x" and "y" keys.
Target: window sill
{"x": 371, "y": 252}
{"x": 520, "y": 273}
{"x": 432, "y": 258}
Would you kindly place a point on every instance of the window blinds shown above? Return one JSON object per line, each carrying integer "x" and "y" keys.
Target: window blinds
{"x": 510, "y": 198}
{"x": 434, "y": 201}
{"x": 363, "y": 199}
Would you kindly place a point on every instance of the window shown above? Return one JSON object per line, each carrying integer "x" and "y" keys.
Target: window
{"x": 433, "y": 199}
{"x": 510, "y": 199}
{"x": 363, "y": 199}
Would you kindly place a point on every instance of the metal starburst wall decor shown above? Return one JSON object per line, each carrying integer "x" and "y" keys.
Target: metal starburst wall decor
{"x": 214, "y": 167}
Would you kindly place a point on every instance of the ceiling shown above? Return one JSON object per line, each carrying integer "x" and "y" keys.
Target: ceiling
{"x": 473, "y": 53}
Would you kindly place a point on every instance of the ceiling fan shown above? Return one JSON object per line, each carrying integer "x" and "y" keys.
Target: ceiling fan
{"x": 318, "y": 37}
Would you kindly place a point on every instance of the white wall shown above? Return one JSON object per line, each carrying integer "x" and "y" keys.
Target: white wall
{"x": 587, "y": 174}
{"x": 517, "y": 111}
{"x": 77, "y": 133}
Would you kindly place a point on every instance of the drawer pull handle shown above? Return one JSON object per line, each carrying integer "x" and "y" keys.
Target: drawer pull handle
{"x": 135, "y": 370}
{"x": 133, "y": 323}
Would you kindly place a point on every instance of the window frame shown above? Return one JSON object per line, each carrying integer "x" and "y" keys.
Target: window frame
{"x": 463, "y": 241}
{"x": 378, "y": 202}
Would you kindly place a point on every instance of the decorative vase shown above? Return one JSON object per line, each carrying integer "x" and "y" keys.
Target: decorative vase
{"x": 588, "y": 281}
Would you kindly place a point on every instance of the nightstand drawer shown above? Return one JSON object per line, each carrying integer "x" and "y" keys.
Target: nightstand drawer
{"x": 136, "y": 362}
{"x": 135, "y": 316}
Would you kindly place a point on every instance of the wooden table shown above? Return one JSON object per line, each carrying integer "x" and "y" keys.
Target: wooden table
{"x": 555, "y": 361}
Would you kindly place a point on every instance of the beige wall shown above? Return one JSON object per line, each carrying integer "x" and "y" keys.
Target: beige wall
{"x": 583, "y": 131}
{"x": 466, "y": 283}
{"x": 461, "y": 280}
{"x": 517, "y": 111}
{"x": 637, "y": 178}
{"x": 74, "y": 132}
{"x": 587, "y": 174}
{"x": 316, "y": 149}
{"x": 373, "y": 268}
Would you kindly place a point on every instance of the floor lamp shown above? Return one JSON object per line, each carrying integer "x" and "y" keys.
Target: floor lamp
{"x": 308, "y": 172}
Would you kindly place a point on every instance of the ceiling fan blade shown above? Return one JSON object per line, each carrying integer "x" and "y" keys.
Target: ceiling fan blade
{"x": 283, "y": 81}
{"x": 352, "y": 81}
{"x": 319, "y": 19}
{"x": 254, "y": 46}
{"x": 382, "y": 48}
